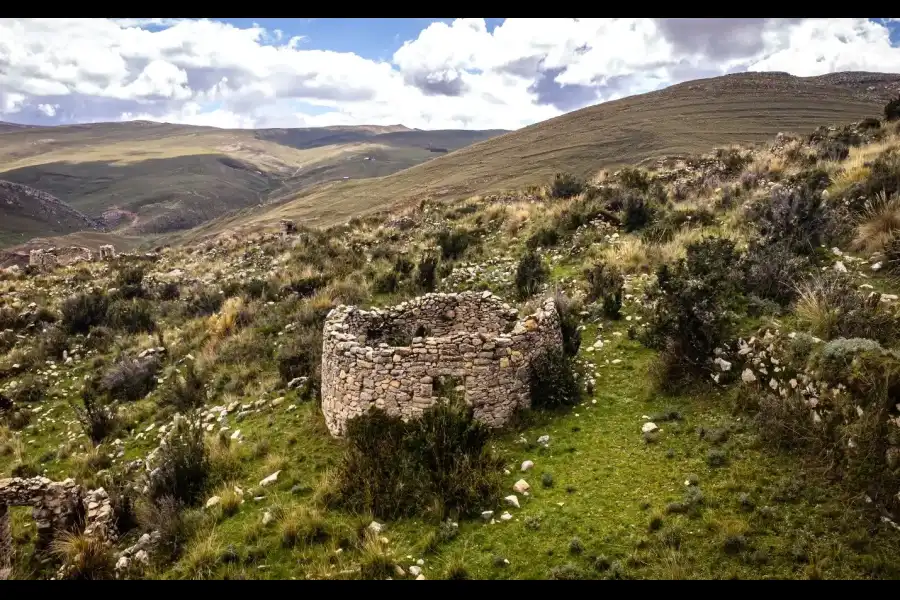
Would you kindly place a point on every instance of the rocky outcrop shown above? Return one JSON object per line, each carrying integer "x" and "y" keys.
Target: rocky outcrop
{"x": 398, "y": 359}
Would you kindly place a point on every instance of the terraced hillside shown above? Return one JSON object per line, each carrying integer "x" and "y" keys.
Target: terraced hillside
{"x": 150, "y": 178}
{"x": 682, "y": 119}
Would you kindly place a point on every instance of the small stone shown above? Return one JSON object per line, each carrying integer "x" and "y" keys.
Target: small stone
{"x": 747, "y": 376}
{"x": 270, "y": 479}
{"x": 415, "y": 570}
{"x": 398, "y": 571}
{"x": 142, "y": 557}
{"x": 212, "y": 501}
{"x": 375, "y": 527}
{"x": 420, "y": 577}
{"x": 267, "y": 518}
{"x": 543, "y": 440}
{"x": 512, "y": 500}
{"x": 649, "y": 427}
{"x": 839, "y": 267}
{"x": 521, "y": 486}
{"x": 122, "y": 563}
{"x": 487, "y": 515}
{"x": 527, "y": 465}
{"x": 505, "y": 516}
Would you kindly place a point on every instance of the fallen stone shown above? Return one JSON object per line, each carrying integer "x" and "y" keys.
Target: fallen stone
{"x": 527, "y": 465}
{"x": 649, "y": 427}
{"x": 521, "y": 486}
{"x": 512, "y": 500}
{"x": 212, "y": 501}
{"x": 270, "y": 479}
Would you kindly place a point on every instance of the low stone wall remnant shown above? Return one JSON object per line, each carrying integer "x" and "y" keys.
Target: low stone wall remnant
{"x": 401, "y": 358}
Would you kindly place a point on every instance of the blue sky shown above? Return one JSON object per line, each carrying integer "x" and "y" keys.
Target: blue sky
{"x": 427, "y": 73}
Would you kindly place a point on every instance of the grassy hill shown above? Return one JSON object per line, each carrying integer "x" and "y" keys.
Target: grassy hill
{"x": 733, "y": 416}
{"x": 26, "y": 210}
{"x": 682, "y": 119}
{"x": 144, "y": 178}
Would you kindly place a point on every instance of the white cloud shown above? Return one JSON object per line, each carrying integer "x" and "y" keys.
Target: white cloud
{"x": 452, "y": 75}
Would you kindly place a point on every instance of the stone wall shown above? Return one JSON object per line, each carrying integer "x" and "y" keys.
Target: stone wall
{"x": 43, "y": 259}
{"x": 107, "y": 251}
{"x": 56, "y": 506}
{"x": 392, "y": 359}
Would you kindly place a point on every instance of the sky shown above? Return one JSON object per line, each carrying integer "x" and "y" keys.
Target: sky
{"x": 422, "y": 73}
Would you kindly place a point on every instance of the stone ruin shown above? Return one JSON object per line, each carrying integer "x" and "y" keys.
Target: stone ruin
{"x": 43, "y": 259}
{"x": 107, "y": 252}
{"x": 56, "y": 506}
{"x": 400, "y": 359}
{"x": 288, "y": 227}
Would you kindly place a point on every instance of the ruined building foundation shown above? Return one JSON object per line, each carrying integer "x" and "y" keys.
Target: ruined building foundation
{"x": 396, "y": 359}
{"x": 56, "y": 506}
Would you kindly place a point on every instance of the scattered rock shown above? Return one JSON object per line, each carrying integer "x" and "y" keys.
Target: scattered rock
{"x": 648, "y": 427}
{"x": 521, "y": 486}
{"x": 270, "y": 479}
{"x": 212, "y": 501}
{"x": 512, "y": 500}
{"x": 415, "y": 570}
{"x": 527, "y": 465}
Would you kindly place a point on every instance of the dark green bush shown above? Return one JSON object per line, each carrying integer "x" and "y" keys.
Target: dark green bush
{"x": 691, "y": 301}
{"x": 83, "y": 311}
{"x": 569, "y": 322}
{"x": 637, "y": 212}
{"x": 133, "y": 316}
{"x": 131, "y": 378}
{"x": 301, "y": 356}
{"x": 552, "y": 382}
{"x": 453, "y": 243}
{"x": 771, "y": 271}
{"x": 666, "y": 225}
{"x": 306, "y": 286}
{"x": 892, "y": 110}
{"x": 869, "y": 123}
{"x": 566, "y": 185}
{"x": 168, "y": 291}
{"x": 733, "y": 161}
{"x": 182, "y": 465}
{"x": 440, "y": 461}
{"x": 531, "y": 274}
{"x": 545, "y": 237}
{"x": 403, "y": 266}
{"x": 426, "y": 273}
{"x": 130, "y": 282}
{"x": 605, "y": 283}
{"x": 892, "y": 255}
{"x": 98, "y": 420}
{"x": 797, "y": 216}
{"x": 857, "y": 314}
{"x": 185, "y": 392}
{"x": 386, "y": 283}
{"x": 203, "y": 301}
{"x": 634, "y": 179}
{"x": 31, "y": 389}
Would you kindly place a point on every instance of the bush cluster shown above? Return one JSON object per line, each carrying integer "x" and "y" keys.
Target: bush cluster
{"x": 440, "y": 461}
{"x": 605, "y": 284}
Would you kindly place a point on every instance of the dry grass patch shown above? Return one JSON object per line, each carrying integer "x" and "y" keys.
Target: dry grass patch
{"x": 879, "y": 223}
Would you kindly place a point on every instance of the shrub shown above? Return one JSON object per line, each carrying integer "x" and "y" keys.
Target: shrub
{"x": 203, "y": 302}
{"x": 83, "y": 311}
{"x": 884, "y": 175}
{"x": 167, "y": 516}
{"x": 566, "y": 185}
{"x": 130, "y": 282}
{"x": 386, "y": 283}
{"x": 53, "y": 342}
{"x": 232, "y": 316}
{"x": 569, "y": 322}
{"x": 669, "y": 223}
{"x": 453, "y": 243}
{"x": 30, "y": 389}
{"x": 634, "y": 179}
{"x": 879, "y": 223}
{"x": 892, "y": 110}
{"x": 307, "y": 286}
{"x": 131, "y": 378}
{"x": 97, "y": 419}
{"x": 403, "y": 266}
{"x": 84, "y": 558}
{"x": 551, "y": 381}
{"x": 892, "y": 255}
{"x": 689, "y": 306}
{"x": 869, "y": 123}
{"x": 831, "y": 307}
{"x": 425, "y": 273}
{"x": 441, "y": 460}
{"x": 168, "y": 291}
{"x": 770, "y": 271}
{"x": 182, "y": 464}
{"x": 637, "y": 212}
{"x": 133, "y": 316}
{"x": 531, "y": 274}
{"x": 605, "y": 283}
{"x": 184, "y": 392}
{"x": 301, "y": 356}
{"x": 545, "y": 237}
{"x": 732, "y": 159}
{"x": 797, "y": 216}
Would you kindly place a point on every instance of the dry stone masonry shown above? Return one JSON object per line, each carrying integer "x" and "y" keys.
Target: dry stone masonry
{"x": 56, "y": 506}
{"x": 107, "y": 252}
{"x": 43, "y": 259}
{"x": 398, "y": 359}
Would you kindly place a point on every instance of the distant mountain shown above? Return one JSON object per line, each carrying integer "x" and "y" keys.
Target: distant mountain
{"x": 141, "y": 177}
{"x": 687, "y": 118}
